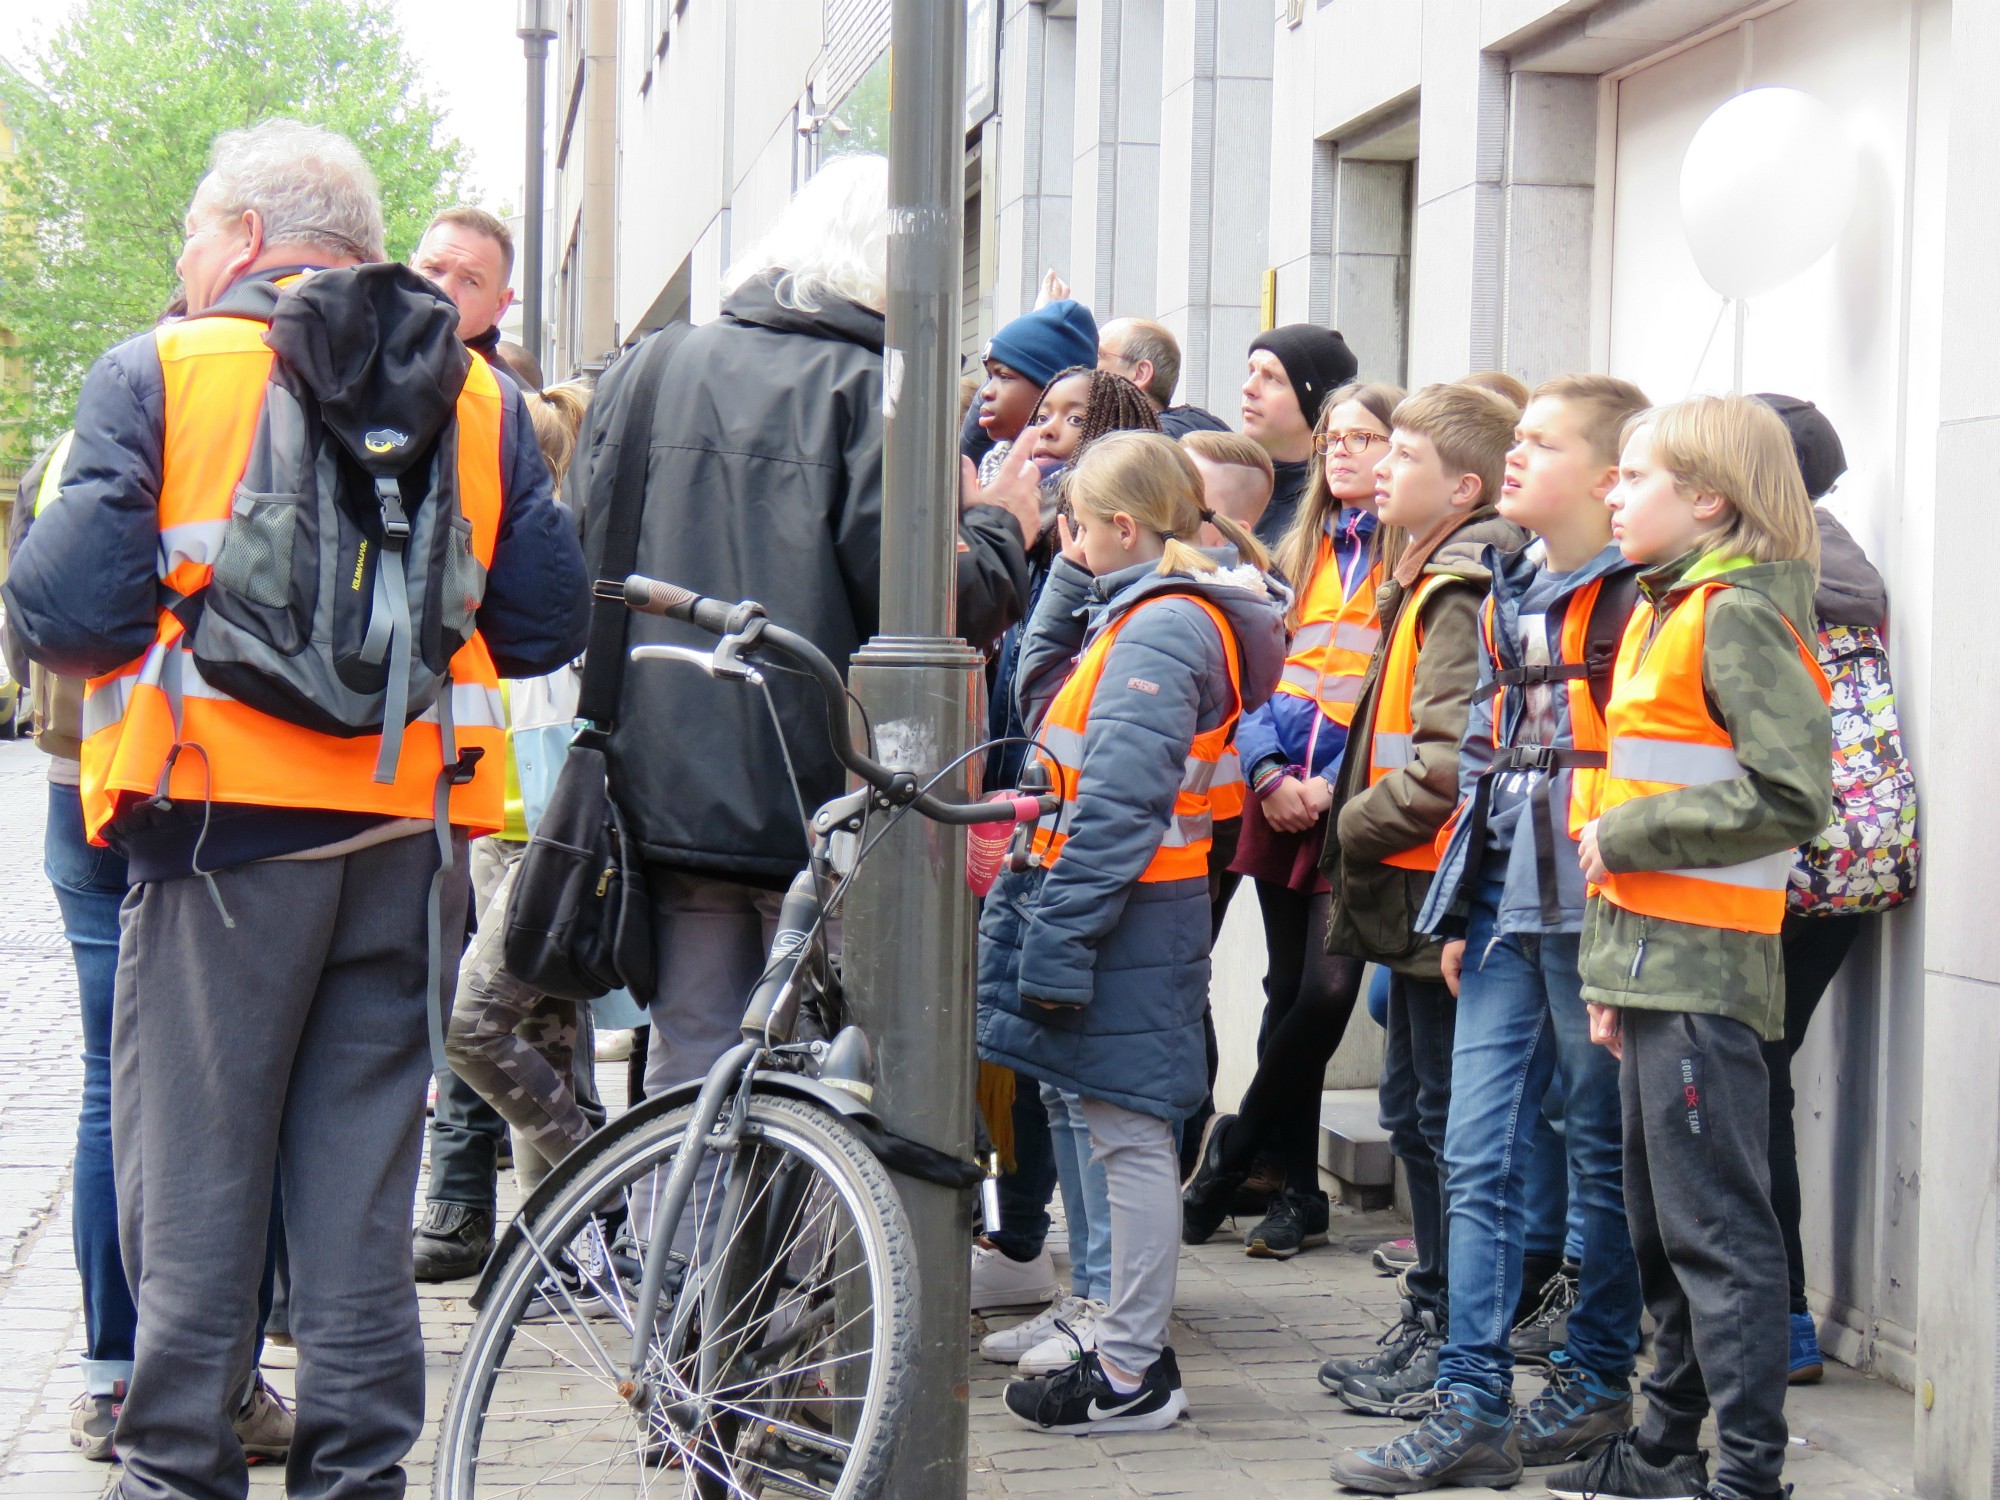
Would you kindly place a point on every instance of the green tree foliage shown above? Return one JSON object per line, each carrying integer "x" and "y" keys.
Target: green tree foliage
{"x": 114, "y": 129}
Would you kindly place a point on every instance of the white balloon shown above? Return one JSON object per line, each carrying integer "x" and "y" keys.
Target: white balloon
{"x": 1767, "y": 186}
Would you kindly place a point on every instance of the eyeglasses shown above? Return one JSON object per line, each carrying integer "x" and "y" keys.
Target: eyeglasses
{"x": 1354, "y": 442}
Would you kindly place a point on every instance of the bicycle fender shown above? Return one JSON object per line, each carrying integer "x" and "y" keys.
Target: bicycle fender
{"x": 795, "y": 1085}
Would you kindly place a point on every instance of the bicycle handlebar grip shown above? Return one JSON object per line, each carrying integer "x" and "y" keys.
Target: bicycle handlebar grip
{"x": 650, "y": 596}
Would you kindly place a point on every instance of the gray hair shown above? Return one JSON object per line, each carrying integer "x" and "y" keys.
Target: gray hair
{"x": 832, "y": 239}
{"x": 1142, "y": 339}
{"x": 310, "y": 186}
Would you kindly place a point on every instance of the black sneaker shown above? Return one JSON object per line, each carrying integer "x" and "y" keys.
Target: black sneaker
{"x": 1617, "y": 1472}
{"x": 1393, "y": 1352}
{"x": 1388, "y": 1394}
{"x": 1206, "y": 1195}
{"x": 452, "y": 1242}
{"x": 1545, "y": 1327}
{"x": 1577, "y": 1414}
{"x": 1254, "y": 1194}
{"x": 1080, "y": 1400}
{"x": 1456, "y": 1444}
{"x": 1297, "y": 1221}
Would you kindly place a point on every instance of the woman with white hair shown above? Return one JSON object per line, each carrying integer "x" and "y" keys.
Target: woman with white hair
{"x": 764, "y": 481}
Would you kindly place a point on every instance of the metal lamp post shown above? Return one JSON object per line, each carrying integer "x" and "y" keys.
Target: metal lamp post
{"x": 536, "y": 29}
{"x": 909, "y": 940}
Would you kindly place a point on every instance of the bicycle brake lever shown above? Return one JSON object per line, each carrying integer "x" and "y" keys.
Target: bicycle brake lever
{"x": 719, "y": 663}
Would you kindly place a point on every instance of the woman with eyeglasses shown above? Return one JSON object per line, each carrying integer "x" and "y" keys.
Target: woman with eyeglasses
{"x": 1291, "y": 751}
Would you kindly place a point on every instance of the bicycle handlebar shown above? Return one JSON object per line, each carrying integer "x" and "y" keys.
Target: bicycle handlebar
{"x": 650, "y": 596}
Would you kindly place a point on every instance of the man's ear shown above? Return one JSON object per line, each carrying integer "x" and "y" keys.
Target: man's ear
{"x": 252, "y": 248}
{"x": 1142, "y": 374}
{"x": 506, "y": 301}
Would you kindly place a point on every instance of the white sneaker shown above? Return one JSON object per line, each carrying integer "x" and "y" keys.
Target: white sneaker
{"x": 1068, "y": 1341}
{"x": 998, "y": 1281}
{"x": 1008, "y": 1345}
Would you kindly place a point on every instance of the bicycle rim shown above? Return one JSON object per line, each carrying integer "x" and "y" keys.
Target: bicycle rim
{"x": 784, "y": 1370}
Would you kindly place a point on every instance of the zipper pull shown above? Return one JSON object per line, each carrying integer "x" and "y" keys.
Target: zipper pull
{"x": 1638, "y": 958}
{"x": 604, "y": 884}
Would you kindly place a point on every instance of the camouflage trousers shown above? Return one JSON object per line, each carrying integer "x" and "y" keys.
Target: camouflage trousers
{"x": 514, "y": 1045}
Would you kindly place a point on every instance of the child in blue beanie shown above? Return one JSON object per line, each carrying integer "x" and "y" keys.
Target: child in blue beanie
{"x": 1021, "y": 358}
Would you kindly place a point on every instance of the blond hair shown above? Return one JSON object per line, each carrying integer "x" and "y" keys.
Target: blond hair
{"x": 1146, "y": 476}
{"x": 1232, "y": 449}
{"x": 1603, "y": 405}
{"x": 1501, "y": 384}
{"x": 479, "y": 221}
{"x": 1298, "y": 549}
{"x": 1738, "y": 448}
{"x": 1472, "y": 429}
{"x": 557, "y": 415}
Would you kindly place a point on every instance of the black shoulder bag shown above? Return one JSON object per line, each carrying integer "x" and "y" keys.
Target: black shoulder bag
{"x": 577, "y": 923}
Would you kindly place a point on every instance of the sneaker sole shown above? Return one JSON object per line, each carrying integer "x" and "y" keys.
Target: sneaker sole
{"x": 1208, "y": 1130}
{"x": 1258, "y": 1250}
{"x": 96, "y": 1450}
{"x": 1370, "y": 1407}
{"x": 1029, "y": 1298}
{"x": 1410, "y": 1484}
{"x": 1806, "y": 1375}
{"x": 1390, "y": 1267}
{"x": 1556, "y": 1494}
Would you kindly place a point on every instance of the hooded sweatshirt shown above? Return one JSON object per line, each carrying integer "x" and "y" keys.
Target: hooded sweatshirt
{"x": 1759, "y": 690}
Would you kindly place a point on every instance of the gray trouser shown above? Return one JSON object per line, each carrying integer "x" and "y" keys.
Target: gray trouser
{"x": 1711, "y": 1262}
{"x": 295, "y": 1040}
{"x": 1142, "y": 1171}
{"x": 713, "y": 938}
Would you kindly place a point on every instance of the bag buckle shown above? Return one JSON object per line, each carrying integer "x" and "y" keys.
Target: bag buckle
{"x": 461, "y": 769}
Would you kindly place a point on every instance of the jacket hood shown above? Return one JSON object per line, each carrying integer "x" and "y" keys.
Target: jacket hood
{"x": 1254, "y": 603}
{"x": 378, "y": 346}
{"x": 756, "y": 302}
{"x": 1789, "y": 584}
{"x": 1512, "y": 571}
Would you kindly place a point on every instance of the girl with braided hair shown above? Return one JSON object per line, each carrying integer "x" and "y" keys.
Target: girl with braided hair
{"x": 1080, "y": 405}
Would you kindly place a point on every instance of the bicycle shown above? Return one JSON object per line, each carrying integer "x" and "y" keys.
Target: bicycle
{"x": 736, "y": 1319}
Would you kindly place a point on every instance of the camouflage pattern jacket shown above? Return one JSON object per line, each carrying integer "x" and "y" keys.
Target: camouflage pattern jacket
{"x": 1760, "y": 691}
{"x": 1375, "y": 905}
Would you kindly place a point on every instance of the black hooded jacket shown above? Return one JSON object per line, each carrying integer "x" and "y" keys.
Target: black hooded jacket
{"x": 765, "y": 483}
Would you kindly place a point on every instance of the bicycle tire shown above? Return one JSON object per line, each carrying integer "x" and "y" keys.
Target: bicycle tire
{"x": 794, "y": 1131}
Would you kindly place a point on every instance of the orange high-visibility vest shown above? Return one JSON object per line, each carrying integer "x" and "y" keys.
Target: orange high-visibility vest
{"x": 1393, "y": 746}
{"x": 1663, "y": 738}
{"x": 1336, "y": 638}
{"x": 1586, "y": 724}
{"x": 155, "y": 726}
{"x": 1184, "y": 844}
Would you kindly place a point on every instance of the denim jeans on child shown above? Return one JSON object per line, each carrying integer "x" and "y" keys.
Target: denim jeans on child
{"x": 90, "y": 886}
{"x": 1521, "y": 1017}
{"x": 1414, "y": 1101}
{"x": 1086, "y": 1196}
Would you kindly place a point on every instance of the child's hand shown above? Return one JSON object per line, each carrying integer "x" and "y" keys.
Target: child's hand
{"x": 1286, "y": 808}
{"x": 1587, "y": 855}
{"x": 1605, "y": 1028}
{"x": 1072, "y": 544}
{"x": 1318, "y": 793}
{"x": 1452, "y": 961}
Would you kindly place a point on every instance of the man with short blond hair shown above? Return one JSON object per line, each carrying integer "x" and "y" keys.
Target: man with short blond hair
{"x": 469, "y": 254}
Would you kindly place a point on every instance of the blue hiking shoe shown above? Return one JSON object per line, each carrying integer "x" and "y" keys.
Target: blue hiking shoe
{"x": 1464, "y": 1441}
{"x": 1808, "y": 1364}
{"x": 1576, "y": 1414}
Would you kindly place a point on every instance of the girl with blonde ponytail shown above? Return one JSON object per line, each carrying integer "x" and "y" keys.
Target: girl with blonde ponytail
{"x": 1093, "y": 967}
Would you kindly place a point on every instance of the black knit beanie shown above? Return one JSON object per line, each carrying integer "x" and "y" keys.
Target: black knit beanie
{"x": 1317, "y": 362}
{"x": 1821, "y": 458}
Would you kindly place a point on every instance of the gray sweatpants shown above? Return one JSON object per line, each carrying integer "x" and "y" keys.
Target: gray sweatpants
{"x": 713, "y": 938}
{"x": 1711, "y": 1263}
{"x": 1142, "y": 1171}
{"x": 295, "y": 1040}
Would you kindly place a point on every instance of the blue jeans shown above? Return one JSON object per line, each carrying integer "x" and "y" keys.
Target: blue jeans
{"x": 1025, "y": 1192}
{"x": 1521, "y": 1018}
{"x": 1086, "y": 1196}
{"x": 1551, "y": 1226}
{"x": 1415, "y": 1103}
{"x": 90, "y": 886}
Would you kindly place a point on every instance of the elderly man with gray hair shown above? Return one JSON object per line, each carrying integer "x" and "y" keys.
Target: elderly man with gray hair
{"x": 295, "y": 890}
{"x": 1147, "y": 354}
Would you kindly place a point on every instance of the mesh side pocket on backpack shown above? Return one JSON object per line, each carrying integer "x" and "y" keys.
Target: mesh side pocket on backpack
{"x": 464, "y": 582}
{"x": 256, "y": 557}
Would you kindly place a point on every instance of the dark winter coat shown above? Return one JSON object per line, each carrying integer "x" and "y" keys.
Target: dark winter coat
{"x": 1121, "y": 965}
{"x": 765, "y": 483}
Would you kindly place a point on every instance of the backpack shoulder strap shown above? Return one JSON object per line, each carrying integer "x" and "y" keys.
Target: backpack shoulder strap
{"x": 1617, "y": 596}
{"x": 604, "y": 657}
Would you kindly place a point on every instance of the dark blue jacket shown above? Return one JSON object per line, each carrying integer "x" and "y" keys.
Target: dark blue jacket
{"x": 1123, "y": 963}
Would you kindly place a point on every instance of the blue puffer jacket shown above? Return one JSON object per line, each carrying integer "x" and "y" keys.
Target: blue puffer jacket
{"x": 1512, "y": 825}
{"x": 1121, "y": 965}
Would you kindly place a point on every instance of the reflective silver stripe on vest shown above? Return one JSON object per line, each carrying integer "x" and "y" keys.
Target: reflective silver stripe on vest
{"x": 1332, "y": 687}
{"x": 1197, "y": 775}
{"x": 1064, "y": 746}
{"x": 1361, "y": 638}
{"x": 1188, "y": 828}
{"x": 1228, "y": 770}
{"x": 1771, "y": 873}
{"x": 194, "y": 541}
{"x": 106, "y": 704}
{"x": 1311, "y": 637}
{"x": 1671, "y": 761}
{"x": 1393, "y": 751}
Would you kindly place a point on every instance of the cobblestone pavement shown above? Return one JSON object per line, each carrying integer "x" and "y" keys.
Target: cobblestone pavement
{"x": 1249, "y": 1333}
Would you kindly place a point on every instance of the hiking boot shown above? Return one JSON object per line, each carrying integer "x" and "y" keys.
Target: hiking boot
{"x": 452, "y": 1242}
{"x": 1081, "y": 1399}
{"x": 1808, "y": 1364}
{"x": 1396, "y": 1346}
{"x": 1067, "y": 1342}
{"x": 1297, "y": 1221}
{"x": 1617, "y": 1472}
{"x": 1545, "y": 1328}
{"x": 264, "y": 1425}
{"x": 998, "y": 1280}
{"x": 1577, "y": 1414}
{"x": 1387, "y": 1394}
{"x": 92, "y": 1421}
{"x": 1394, "y": 1257}
{"x": 1462, "y": 1441}
{"x": 1206, "y": 1195}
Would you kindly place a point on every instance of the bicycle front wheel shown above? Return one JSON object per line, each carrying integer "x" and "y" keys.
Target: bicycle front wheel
{"x": 779, "y": 1363}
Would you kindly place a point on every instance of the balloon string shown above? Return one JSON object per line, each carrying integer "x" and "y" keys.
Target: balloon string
{"x": 1713, "y": 329}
